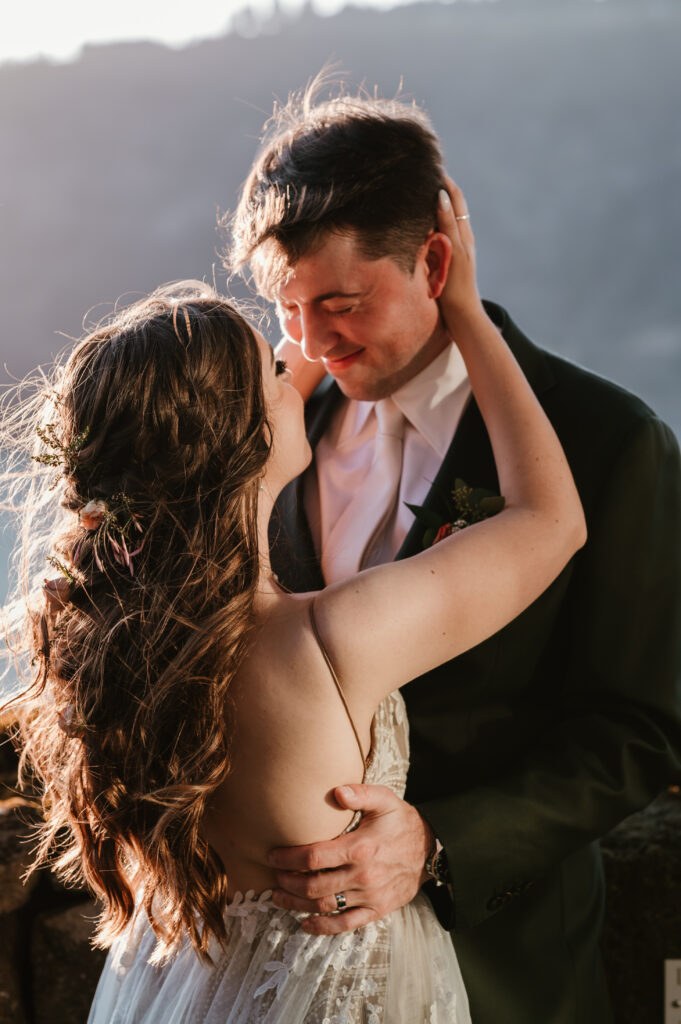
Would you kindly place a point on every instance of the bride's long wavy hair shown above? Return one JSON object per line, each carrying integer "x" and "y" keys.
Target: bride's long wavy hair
{"x": 129, "y": 652}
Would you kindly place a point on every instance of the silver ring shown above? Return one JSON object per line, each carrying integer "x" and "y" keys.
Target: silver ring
{"x": 341, "y": 902}
{"x": 464, "y": 216}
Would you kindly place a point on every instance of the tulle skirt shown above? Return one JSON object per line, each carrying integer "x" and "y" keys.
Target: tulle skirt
{"x": 399, "y": 970}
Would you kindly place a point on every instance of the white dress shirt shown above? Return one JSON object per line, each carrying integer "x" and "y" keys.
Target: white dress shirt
{"x": 432, "y": 404}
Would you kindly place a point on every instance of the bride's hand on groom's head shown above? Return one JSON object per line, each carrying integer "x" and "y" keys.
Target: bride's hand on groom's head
{"x": 374, "y": 869}
{"x": 459, "y": 298}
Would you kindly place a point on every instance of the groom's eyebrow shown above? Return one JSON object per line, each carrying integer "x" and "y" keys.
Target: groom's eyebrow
{"x": 336, "y": 295}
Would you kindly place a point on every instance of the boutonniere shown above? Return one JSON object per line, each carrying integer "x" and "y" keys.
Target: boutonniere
{"x": 463, "y": 506}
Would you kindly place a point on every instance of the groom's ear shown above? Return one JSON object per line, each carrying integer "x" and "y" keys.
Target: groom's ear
{"x": 436, "y": 255}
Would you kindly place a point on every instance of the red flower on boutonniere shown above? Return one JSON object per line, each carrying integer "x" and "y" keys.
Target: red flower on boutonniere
{"x": 463, "y": 505}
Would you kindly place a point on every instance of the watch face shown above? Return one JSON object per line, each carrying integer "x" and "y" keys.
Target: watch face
{"x": 436, "y": 864}
{"x": 440, "y": 866}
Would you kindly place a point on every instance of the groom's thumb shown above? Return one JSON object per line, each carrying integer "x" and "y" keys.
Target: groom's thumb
{"x": 364, "y": 798}
{"x": 345, "y": 796}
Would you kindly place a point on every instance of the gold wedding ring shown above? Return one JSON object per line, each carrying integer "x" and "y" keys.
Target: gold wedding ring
{"x": 464, "y": 216}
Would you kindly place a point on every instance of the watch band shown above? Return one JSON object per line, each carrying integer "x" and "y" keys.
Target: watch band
{"x": 436, "y": 866}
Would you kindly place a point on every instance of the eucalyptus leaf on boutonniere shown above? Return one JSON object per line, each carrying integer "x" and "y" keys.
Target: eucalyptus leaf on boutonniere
{"x": 464, "y": 506}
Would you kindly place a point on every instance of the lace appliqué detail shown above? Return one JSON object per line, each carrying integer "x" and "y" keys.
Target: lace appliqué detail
{"x": 389, "y": 762}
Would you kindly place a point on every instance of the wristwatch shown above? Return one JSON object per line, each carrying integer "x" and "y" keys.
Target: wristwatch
{"x": 436, "y": 864}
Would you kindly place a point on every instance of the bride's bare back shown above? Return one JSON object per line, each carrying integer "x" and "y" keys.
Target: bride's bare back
{"x": 293, "y": 742}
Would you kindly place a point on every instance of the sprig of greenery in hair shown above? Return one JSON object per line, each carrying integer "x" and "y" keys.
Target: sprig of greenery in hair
{"x": 60, "y": 567}
{"x": 64, "y": 456}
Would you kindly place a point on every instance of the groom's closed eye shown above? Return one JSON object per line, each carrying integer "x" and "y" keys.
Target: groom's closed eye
{"x": 345, "y": 309}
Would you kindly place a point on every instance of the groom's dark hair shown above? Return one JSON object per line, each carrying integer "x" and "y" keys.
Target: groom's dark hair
{"x": 348, "y": 164}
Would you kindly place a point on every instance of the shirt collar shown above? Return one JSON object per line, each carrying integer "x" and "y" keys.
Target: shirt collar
{"x": 431, "y": 400}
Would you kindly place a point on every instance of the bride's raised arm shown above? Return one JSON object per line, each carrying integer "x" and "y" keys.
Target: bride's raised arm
{"x": 390, "y": 624}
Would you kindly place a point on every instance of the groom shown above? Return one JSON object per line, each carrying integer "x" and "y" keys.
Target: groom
{"x": 530, "y": 747}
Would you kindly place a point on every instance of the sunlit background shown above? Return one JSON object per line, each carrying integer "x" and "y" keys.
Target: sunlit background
{"x": 59, "y": 30}
{"x": 558, "y": 117}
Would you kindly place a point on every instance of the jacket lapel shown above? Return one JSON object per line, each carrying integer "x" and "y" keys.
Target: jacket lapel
{"x": 469, "y": 456}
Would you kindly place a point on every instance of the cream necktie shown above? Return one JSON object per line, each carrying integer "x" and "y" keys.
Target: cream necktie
{"x": 360, "y": 528}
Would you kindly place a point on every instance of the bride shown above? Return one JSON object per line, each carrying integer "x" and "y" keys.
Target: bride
{"x": 186, "y": 714}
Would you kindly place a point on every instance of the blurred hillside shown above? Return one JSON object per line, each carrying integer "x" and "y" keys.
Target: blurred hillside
{"x": 560, "y": 121}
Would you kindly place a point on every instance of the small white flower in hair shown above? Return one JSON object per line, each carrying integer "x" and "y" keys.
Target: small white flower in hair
{"x": 92, "y": 515}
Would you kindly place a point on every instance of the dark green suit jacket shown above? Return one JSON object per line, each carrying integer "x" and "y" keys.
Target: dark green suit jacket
{"x": 529, "y": 747}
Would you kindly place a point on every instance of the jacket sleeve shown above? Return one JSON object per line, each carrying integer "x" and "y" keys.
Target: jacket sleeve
{"x": 615, "y": 740}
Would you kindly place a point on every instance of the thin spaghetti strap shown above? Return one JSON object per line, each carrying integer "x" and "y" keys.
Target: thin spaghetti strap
{"x": 322, "y": 648}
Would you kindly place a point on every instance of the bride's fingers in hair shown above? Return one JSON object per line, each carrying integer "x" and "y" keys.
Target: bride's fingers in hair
{"x": 459, "y": 299}
{"x": 453, "y": 215}
{"x": 459, "y": 204}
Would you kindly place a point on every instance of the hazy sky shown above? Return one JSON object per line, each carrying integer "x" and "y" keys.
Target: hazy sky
{"x": 59, "y": 29}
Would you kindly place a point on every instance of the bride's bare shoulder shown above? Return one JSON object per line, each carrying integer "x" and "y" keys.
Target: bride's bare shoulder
{"x": 289, "y": 668}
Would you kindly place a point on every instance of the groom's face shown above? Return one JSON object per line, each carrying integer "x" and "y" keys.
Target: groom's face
{"x": 373, "y": 325}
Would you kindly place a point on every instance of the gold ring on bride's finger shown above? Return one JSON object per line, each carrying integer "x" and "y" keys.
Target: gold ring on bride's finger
{"x": 341, "y": 902}
{"x": 464, "y": 216}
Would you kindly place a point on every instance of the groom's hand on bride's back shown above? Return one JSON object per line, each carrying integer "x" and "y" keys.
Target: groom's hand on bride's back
{"x": 378, "y": 867}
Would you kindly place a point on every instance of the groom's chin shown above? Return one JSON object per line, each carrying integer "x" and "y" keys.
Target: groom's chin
{"x": 365, "y": 391}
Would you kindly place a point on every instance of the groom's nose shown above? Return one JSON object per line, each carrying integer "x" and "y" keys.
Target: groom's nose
{"x": 317, "y": 333}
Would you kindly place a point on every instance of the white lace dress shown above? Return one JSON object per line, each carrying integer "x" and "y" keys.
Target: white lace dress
{"x": 399, "y": 970}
